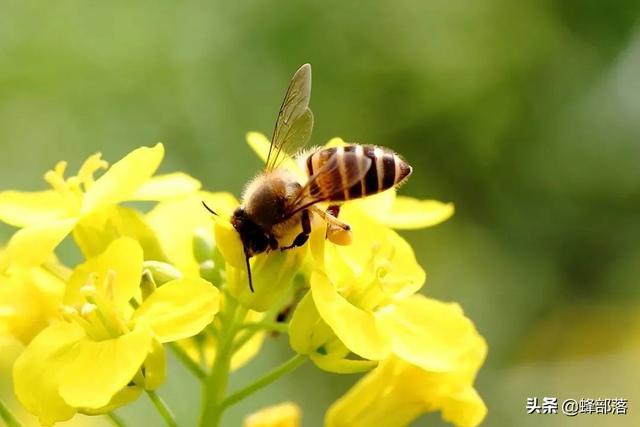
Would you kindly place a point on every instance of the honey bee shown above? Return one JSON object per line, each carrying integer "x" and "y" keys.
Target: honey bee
{"x": 275, "y": 203}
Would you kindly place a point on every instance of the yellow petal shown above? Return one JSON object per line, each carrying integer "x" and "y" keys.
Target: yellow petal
{"x": 340, "y": 365}
{"x": 229, "y": 243}
{"x": 372, "y": 402}
{"x": 259, "y": 144}
{"x": 101, "y": 369}
{"x": 397, "y": 269}
{"x": 178, "y": 309}
{"x": 121, "y": 398}
{"x": 22, "y": 209}
{"x": 121, "y": 262}
{"x": 272, "y": 275}
{"x": 396, "y": 393}
{"x": 176, "y": 236}
{"x": 303, "y": 326}
{"x": 356, "y": 328}
{"x": 155, "y": 366}
{"x": 286, "y": 414}
{"x": 123, "y": 179}
{"x": 38, "y": 370}
{"x": 31, "y": 246}
{"x": 128, "y": 222}
{"x": 162, "y": 187}
{"x": 29, "y": 301}
{"x": 410, "y": 213}
{"x": 96, "y": 231}
{"x": 373, "y": 206}
{"x": 376, "y": 253}
{"x": 464, "y": 408}
{"x": 428, "y": 333}
{"x": 317, "y": 244}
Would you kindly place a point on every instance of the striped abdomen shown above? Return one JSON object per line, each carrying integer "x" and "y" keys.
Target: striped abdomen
{"x": 350, "y": 180}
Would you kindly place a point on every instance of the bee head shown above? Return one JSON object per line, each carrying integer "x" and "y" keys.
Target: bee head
{"x": 253, "y": 237}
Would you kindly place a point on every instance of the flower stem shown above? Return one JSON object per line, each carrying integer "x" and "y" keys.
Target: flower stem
{"x": 162, "y": 408}
{"x": 115, "y": 419}
{"x": 7, "y": 416}
{"x": 267, "y": 325}
{"x": 288, "y": 366}
{"x": 215, "y": 385}
{"x": 192, "y": 366}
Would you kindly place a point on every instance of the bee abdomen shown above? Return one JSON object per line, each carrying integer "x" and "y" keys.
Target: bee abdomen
{"x": 386, "y": 170}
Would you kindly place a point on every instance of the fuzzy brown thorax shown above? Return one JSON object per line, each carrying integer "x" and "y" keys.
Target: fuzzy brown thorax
{"x": 265, "y": 198}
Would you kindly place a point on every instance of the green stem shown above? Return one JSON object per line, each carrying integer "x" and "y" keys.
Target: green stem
{"x": 7, "y": 416}
{"x": 162, "y": 408}
{"x": 268, "y": 325}
{"x": 187, "y": 361}
{"x": 215, "y": 385}
{"x": 115, "y": 419}
{"x": 250, "y": 332}
{"x": 265, "y": 380}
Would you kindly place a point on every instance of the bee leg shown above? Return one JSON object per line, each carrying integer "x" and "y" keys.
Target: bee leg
{"x": 304, "y": 235}
{"x": 273, "y": 243}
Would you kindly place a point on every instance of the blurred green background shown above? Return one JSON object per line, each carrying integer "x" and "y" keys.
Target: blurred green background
{"x": 526, "y": 114}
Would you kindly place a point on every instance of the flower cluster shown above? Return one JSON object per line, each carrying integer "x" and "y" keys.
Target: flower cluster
{"x": 172, "y": 276}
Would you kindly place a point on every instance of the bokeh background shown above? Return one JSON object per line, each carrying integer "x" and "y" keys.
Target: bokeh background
{"x": 526, "y": 114}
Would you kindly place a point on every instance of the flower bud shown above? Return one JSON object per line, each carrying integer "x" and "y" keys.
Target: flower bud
{"x": 161, "y": 272}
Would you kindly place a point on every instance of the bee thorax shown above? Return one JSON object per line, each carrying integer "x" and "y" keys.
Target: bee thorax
{"x": 265, "y": 199}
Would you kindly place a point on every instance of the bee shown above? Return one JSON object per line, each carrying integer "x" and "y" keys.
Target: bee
{"x": 275, "y": 203}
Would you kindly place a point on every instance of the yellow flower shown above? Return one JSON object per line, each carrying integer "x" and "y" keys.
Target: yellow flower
{"x": 190, "y": 246}
{"x": 184, "y": 229}
{"x": 434, "y": 350}
{"x": 396, "y": 393}
{"x": 344, "y": 312}
{"x": 106, "y": 352}
{"x": 29, "y": 298}
{"x": 436, "y": 353}
{"x": 47, "y": 217}
{"x": 272, "y": 272}
{"x": 286, "y": 414}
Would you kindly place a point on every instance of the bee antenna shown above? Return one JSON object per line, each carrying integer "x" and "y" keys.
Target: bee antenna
{"x": 208, "y": 208}
{"x": 246, "y": 258}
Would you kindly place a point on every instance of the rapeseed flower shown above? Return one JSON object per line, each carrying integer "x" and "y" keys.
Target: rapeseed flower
{"x": 108, "y": 348}
{"x": 46, "y": 217}
{"x": 29, "y": 298}
{"x": 95, "y": 335}
{"x": 190, "y": 246}
{"x": 286, "y": 414}
{"x": 396, "y": 393}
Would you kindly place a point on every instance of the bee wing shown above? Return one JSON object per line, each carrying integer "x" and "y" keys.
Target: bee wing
{"x": 331, "y": 180}
{"x": 295, "y": 120}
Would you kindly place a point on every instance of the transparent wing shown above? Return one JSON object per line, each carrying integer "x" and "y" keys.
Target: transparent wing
{"x": 295, "y": 120}
{"x": 331, "y": 181}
